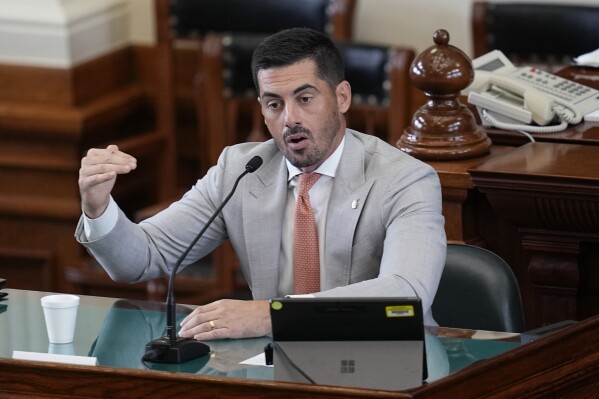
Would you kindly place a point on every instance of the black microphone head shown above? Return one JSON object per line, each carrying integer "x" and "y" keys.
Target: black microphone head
{"x": 253, "y": 164}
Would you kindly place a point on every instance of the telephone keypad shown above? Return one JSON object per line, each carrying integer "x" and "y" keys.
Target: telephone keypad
{"x": 555, "y": 85}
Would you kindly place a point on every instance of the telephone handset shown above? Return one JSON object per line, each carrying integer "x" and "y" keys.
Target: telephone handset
{"x": 512, "y": 98}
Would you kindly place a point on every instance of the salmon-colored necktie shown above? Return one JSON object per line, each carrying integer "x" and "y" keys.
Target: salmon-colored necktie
{"x": 306, "y": 258}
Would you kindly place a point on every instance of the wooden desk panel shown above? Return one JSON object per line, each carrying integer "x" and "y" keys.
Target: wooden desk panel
{"x": 548, "y": 168}
{"x": 460, "y": 200}
{"x": 551, "y": 193}
{"x": 535, "y": 206}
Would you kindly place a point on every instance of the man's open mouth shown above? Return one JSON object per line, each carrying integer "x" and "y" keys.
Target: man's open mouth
{"x": 297, "y": 141}
{"x": 296, "y": 138}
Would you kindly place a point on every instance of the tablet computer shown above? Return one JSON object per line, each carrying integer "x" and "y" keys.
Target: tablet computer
{"x": 359, "y": 342}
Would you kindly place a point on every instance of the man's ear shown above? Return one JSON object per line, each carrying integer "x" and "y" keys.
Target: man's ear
{"x": 260, "y": 103}
{"x": 343, "y": 93}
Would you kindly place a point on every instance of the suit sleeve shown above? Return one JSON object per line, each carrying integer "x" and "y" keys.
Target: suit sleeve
{"x": 133, "y": 252}
{"x": 414, "y": 244}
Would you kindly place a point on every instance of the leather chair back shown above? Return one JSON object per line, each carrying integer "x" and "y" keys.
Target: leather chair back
{"x": 367, "y": 70}
{"x": 535, "y": 33}
{"x": 196, "y": 18}
{"x": 478, "y": 290}
{"x": 381, "y": 88}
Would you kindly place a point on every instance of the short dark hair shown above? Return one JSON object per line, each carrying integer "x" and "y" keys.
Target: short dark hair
{"x": 289, "y": 46}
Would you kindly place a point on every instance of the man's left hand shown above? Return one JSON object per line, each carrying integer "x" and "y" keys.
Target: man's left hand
{"x": 227, "y": 318}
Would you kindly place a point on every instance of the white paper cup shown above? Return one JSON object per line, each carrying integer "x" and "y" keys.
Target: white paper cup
{"x": 60, "y": 313}
{"x": 61, "y": 349}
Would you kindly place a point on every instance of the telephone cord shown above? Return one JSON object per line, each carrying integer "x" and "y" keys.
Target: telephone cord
{"x": 566, "y": 113}
{"x": 527, "y": 128}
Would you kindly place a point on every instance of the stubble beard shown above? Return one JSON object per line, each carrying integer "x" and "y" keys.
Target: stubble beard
{"x": 313, "y": 153}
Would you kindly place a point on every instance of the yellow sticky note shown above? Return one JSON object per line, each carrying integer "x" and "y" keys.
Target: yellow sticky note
{"x": 400, "y": 311}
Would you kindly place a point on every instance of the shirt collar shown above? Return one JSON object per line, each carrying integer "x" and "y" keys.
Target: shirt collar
{"x": 328, "y": 167}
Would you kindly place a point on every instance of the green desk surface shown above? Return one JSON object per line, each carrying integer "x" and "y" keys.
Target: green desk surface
{"x": 115, "y": 331}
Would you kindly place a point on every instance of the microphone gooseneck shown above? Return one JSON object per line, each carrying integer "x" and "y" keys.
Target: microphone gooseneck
{"x": 170, "y": 348}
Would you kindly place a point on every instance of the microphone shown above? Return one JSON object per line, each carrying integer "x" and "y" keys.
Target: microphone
{"x": 170, "y": 348}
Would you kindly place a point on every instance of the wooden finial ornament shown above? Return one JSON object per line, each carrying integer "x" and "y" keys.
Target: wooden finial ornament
{"x": 443, "y": 128}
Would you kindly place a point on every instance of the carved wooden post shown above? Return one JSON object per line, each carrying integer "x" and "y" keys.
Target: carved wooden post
{"x": 443, "y": 129}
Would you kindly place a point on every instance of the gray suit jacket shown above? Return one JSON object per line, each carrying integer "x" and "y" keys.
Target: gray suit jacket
{"x": 392, "y": 244}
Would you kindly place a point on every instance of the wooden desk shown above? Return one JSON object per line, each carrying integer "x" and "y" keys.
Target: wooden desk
{"x": 550, "y": 192}
{"x": 564, "y": 365}
{"x": 460, "y": 200}
{"x": 583, "y": 133}
{"x": 535, "y": 205}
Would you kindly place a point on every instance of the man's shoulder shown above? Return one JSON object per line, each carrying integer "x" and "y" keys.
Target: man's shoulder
{"x": 243, "y": 152}
{"x": 388, "y": 166}
{"x": 379, "y": 151}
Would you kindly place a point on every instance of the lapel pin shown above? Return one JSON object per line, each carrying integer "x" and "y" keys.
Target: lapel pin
{"x": 354, "y": 204}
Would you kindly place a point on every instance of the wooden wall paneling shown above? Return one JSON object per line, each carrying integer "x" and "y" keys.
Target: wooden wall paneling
{"x": 38, "y": 232}
{"x": 48, "y": 119}
{"x": 66, "y": 87}
{"x": 187, "y": 126}
{"x": 28, "y": 268}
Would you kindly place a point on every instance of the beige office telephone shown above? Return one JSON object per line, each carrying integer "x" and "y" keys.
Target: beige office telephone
{"x": 526, "y": 98}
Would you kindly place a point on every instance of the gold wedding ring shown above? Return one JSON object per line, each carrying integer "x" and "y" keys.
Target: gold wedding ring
{"x": 212, "y": 325}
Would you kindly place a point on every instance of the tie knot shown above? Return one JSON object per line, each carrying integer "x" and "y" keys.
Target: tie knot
{"x": 306, "y": 181}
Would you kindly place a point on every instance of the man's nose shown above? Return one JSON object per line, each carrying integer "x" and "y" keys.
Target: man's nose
{"x": 291, "y": 115}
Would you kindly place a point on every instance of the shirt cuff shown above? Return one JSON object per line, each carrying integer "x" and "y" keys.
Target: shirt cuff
{"x": 102, "y": 225}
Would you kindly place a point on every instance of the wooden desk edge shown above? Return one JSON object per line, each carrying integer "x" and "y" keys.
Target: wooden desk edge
{"x": 561, "y": 365}
{"x": 42, "y": 380}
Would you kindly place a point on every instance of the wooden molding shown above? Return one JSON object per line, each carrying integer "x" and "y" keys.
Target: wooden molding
{"x": 66, "y": 86}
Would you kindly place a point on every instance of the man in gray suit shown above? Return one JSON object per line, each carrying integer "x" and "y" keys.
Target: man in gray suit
{"x": 377, "y": 209}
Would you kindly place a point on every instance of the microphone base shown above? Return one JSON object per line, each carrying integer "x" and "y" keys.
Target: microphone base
{"x": 163, "y": 350}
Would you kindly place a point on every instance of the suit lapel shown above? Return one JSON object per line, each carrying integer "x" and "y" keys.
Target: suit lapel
{"x": 264, "y": 203}
{"x": 348, "y": 196}
{"x": 263, "y": 207}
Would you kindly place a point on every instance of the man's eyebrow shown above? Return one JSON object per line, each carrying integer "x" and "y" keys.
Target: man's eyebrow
{"x": 296, "y": 91}
{"x": 305, "y": 87}
{"x": 269, "y": 94}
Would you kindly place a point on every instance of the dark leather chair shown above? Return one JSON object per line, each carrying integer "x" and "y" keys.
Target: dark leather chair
{"x": 478, "y": 290}
{"x": 193, "y": 18}
{"x": 381, "y": 87}
{"x": 544, "y": 35}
